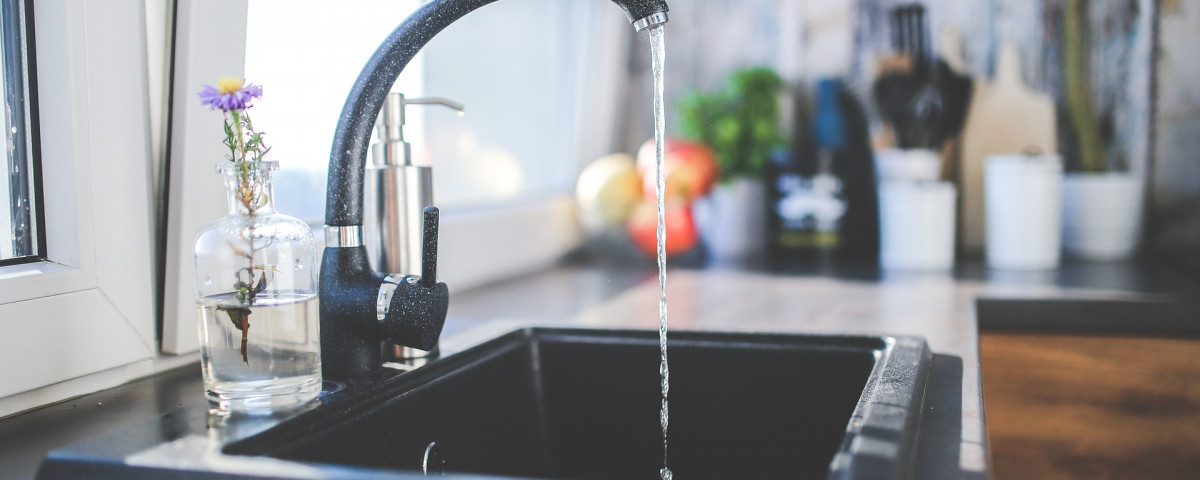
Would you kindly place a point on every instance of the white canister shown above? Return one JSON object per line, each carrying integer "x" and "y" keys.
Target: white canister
{"x": 916, "y": 225}
{"x": 913, "y": 165}
{"x": 1023, "y": 205}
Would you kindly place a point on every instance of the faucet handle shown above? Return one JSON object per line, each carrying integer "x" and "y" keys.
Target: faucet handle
{"x": 416, "y": 314}
{"x": 429, "y": 245}
{"x": 416, "y": 309}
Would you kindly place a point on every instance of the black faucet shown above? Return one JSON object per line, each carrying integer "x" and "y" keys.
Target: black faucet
{"x": 359, "y": 307}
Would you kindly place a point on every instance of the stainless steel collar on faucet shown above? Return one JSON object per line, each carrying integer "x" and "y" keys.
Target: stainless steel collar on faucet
{"x": 650, "y": 21}
{"x": 349, "y": 236}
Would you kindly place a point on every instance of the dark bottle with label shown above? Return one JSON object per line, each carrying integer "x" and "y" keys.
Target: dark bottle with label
{"x": 785, "y": 169}
{"x": 822, "y": 191}
{"x": 855, "y": 165}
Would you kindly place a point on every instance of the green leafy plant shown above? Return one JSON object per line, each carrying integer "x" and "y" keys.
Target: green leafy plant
{"x": 740, "y": 123}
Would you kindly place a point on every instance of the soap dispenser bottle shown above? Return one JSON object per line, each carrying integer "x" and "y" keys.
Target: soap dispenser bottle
{"x": 396, "y": 192}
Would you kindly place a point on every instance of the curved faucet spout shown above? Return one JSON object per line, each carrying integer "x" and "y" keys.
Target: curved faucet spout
{"x": 359, "y": 307}
{"x": 347, "y": 159}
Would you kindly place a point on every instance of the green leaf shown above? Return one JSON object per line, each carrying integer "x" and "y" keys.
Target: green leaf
{"x": 740, "y": 123}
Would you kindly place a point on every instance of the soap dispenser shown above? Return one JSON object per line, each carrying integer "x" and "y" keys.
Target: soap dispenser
{"x": 396, "y": 192}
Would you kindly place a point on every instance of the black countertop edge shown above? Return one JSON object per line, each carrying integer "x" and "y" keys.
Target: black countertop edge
{"x": 1145, "y": 275}
{"x": 1149, "y": 316}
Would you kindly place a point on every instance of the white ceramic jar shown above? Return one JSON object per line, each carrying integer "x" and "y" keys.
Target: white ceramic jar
{"x": 1022, "y": 203}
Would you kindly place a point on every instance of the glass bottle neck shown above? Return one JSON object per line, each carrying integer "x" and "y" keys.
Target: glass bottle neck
{"x": 248, "y": 187}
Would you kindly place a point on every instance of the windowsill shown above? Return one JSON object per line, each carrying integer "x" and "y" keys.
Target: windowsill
{"x": 481, "y": 245}
{"x": 40, "y": 279}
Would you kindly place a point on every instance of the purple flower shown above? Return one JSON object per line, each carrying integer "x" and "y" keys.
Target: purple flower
{"x": 229, "y": 94}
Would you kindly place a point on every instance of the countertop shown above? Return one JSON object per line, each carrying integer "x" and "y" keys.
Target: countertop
{"x": 945, "y": 309}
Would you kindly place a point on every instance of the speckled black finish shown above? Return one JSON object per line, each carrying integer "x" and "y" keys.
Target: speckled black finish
{"x": 429, "y": 243}
{"x": 580, "y": 404}
{"x": 569, "y": 403}
{"x": 350, "y": 328}
{"x": 639, "y": 9}
{"x": 349, "y": 288}
{"x": 422, "y": 312}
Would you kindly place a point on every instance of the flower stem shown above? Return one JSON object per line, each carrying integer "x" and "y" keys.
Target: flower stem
{"x": 241, "y": 141}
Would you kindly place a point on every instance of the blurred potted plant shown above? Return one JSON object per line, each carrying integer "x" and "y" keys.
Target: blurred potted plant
{"x": 741, "y": 125}
{"x": 1102, "y": 206}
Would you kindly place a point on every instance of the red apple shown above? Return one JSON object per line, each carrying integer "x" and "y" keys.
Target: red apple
{"x": 691, "y": 168}
{"x": 681, "y": 228}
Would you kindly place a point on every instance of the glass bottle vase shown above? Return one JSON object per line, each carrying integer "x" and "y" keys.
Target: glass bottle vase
{"x": 256, "y": 290}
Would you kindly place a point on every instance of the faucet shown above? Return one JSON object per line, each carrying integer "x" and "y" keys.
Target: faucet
{"x": 360, "y": 308}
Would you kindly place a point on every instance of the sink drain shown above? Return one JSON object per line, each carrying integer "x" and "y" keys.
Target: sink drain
{"x": 433, "y": 463}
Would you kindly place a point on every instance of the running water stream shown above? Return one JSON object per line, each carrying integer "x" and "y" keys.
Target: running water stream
{"x": 657, "y": 58}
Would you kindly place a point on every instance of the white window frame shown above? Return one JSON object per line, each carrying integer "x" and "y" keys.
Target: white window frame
{"x": 83, "y": 319}
{"x": 210, "y": 43}
{"x": 477, "y": 246}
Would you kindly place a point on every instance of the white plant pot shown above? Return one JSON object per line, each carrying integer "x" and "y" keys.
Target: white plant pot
{"x": 1102, "y": 215}
{"x": 732, "y": 219}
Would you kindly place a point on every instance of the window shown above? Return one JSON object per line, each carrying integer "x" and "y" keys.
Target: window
{"x": 18, "y": 190}
{"x": 519, "y": 138}
{"x": 307, "y": 54}
{"x": 79, "y": 316}
{"x": 541, "y": 81}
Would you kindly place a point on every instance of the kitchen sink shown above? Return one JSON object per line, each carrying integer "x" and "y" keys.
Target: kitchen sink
{"x": 564, "y": 404}
{"x": 584, "y": 404}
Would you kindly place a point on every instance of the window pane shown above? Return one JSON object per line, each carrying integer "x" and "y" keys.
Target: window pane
{"x": 306, "y": 54}
{"x": 17, "y": 200}
{"x": 519, "y": 85}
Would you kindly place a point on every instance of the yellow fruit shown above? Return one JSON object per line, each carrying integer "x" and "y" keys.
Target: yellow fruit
{"x": 607, "y": 190}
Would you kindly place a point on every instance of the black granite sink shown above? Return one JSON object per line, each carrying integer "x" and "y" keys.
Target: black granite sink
{"x": 584, "y": 404}
{"x": 565, "y": 404}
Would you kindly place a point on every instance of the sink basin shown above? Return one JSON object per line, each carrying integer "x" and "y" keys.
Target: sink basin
{"x": 584, "y": 404}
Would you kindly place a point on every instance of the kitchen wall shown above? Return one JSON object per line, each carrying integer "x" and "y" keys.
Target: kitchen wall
{"x": 1175, "y": 196}
{"x": 1119, "y": 58}
{"x": 707, "y": 39}
{"x": 1153, "y": 129}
